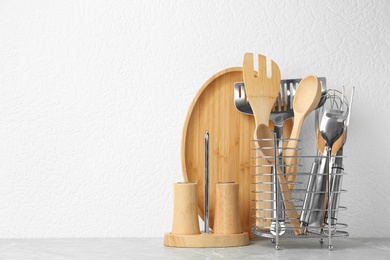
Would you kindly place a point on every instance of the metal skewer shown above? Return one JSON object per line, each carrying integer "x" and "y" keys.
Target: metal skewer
{"x": 206, "y": 182}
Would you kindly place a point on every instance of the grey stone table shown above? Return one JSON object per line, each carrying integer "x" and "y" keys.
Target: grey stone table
{"x": 152, "y": 248}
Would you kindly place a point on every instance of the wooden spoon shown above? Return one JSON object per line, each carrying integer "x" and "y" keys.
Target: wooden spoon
{"x": 306, "y": 99}
{"x": 265, "y": 142}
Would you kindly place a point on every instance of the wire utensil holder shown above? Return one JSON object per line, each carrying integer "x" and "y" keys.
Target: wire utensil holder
{"x": 282, "y": 224}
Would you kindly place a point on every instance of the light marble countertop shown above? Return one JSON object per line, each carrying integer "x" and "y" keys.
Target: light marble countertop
{"x": 152, "y": 248}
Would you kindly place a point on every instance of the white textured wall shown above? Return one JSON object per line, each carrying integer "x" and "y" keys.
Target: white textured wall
{"x": 93, "y": 97}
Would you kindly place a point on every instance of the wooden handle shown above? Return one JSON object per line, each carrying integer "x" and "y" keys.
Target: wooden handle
{"x": 291, "y": 153}
{"x": 263, "y": 198}
{"x": 262, "y": 180}
{"x": 289, "y": 206}
{"x": 227, "y": 216}
{"x": 185, "y": 215}
{"x": 265, "y": 142}
{"x": 293, "y": 143}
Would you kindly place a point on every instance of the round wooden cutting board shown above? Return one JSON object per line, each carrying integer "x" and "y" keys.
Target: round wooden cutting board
{"x": 231, "y": 135}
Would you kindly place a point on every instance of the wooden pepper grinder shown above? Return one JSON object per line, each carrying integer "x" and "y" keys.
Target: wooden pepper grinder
{"x": 227, "y": 217}
{"x": 185, "y": 215}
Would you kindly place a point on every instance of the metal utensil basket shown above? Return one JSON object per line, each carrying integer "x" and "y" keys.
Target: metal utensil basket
{"x": 275, "y": 197}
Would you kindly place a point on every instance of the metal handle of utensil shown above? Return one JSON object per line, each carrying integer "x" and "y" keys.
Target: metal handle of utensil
{"x": 277, "y": 227}
{"x": 335, "y": 187}
{"x": 316, "y": 212}
{"x": 308, "y": 200}
{"x": 206, "y": 182}
{"x": 278, "y": 203}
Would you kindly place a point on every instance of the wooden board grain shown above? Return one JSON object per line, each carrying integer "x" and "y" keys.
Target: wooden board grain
{"x": 230, "y": 145}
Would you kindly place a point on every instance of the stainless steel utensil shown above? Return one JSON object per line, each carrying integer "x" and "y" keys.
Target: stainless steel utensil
{"x": 335, "y": 187}
{"x": 331, "y": 129}
{"x": 308, "y": 200}
{"x": 206, "y": 182}
{"x": 337, "y": 173}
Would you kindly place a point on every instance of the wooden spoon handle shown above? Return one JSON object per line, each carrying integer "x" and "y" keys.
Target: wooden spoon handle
{"x": 292, "y": 145}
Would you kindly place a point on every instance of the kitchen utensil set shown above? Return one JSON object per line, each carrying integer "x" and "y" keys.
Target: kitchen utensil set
{"x": 250, "y": 172}
{"x": 283, "y": 159}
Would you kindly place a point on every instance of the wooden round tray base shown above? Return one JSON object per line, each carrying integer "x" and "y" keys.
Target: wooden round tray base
{"x": 206, "y": 240}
